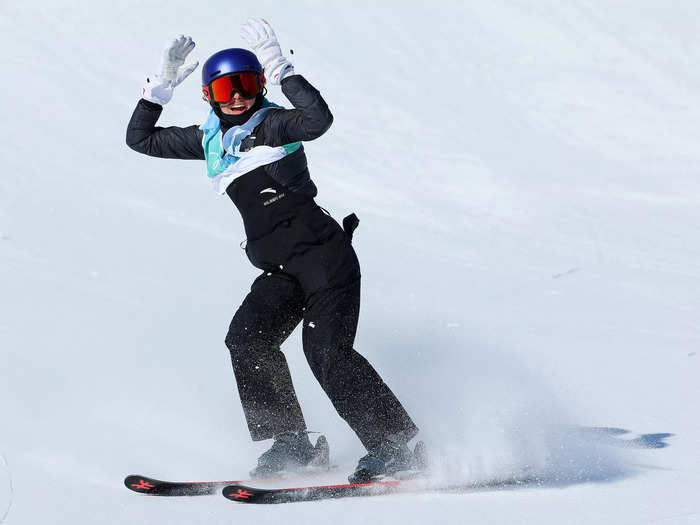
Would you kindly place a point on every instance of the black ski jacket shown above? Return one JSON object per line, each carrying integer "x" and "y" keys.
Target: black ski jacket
{"x": 285, "y": 229}
{"x": 288, "y": 177}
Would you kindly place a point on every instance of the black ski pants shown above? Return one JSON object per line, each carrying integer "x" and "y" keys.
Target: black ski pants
{"x": 276, "y": 304}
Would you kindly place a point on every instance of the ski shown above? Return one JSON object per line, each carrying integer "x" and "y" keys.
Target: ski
{"x": 157, "y": 487}
{"x": 246, "y": 494}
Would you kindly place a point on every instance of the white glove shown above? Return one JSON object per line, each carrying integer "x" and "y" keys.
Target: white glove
{"x": 159, "y": 88}
{"x": 260, "y": 36}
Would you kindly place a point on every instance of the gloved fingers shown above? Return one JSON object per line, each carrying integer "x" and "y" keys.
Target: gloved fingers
{"x": 174, "y": 56}
{"x": 265, "y": 29}
{"x": 178, "y": 49}
{"x": 250, "y": 33}
{"x": 257, "y": 26}
{"x": 171, "y": 47}
{"x": 185, "y": 47}
{"x": 256, "y": 31}
{"x": 183, "y": 73}
{"x": 249, "y": 36}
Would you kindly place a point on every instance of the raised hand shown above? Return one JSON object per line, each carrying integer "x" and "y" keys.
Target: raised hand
{"x": 261, "y": 37}
{"x": 159, "y": 87}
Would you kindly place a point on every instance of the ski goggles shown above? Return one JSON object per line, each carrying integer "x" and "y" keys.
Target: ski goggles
{"x": 247, "y": 84}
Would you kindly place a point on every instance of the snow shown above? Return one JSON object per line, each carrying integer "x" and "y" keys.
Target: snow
{"x": 526, "y": 174}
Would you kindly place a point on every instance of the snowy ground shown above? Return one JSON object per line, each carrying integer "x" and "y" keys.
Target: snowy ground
{"x": 527, "y": 177}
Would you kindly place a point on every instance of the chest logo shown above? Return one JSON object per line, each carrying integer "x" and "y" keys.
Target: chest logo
{"x": 274, "y": 199}
{"x": 268, "y": 190}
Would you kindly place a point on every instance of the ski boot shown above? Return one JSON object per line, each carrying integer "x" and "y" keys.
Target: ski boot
{"x": 292, "y": 452}
{"x": 390, "y": 458}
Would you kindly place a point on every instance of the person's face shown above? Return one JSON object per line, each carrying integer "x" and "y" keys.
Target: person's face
{"x": 237, "y": 105}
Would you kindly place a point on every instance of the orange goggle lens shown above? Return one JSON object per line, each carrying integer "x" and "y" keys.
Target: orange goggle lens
{"x": 223, "y": 88}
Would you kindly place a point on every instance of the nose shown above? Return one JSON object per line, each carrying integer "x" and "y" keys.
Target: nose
{"x": 235, "y": 99}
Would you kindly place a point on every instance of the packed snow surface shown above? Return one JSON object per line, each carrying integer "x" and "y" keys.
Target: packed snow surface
{"x": 527, "y": 175}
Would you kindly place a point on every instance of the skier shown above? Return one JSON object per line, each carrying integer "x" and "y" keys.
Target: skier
{"x": 310, "y": 273}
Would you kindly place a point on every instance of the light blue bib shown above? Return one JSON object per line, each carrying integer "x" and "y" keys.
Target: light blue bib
{"x": 225, "y": 161}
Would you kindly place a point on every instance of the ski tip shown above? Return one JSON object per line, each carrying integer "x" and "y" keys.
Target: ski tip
{"x": 141, "y": 484}
{"x": 156, "y": 487}
{"x": 243, "y": 493}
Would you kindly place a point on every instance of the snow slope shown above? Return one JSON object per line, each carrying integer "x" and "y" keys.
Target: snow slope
{"x": 526, "y": 174}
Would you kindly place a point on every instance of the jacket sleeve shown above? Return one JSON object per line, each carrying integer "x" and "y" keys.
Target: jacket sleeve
{"x": 144, "y": 136}
{"x": 311, "y": 117}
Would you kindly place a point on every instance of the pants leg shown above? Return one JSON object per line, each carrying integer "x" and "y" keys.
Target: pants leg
{"x": 267, "y": 316}
{"x": 356, "y": 390}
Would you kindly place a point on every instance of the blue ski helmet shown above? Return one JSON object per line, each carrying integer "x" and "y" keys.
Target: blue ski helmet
{"x": 227, "y": 62}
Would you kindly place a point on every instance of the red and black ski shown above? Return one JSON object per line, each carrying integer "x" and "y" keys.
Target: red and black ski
{"x": 246, "y": 494}
{"x": 157, "y": 487}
